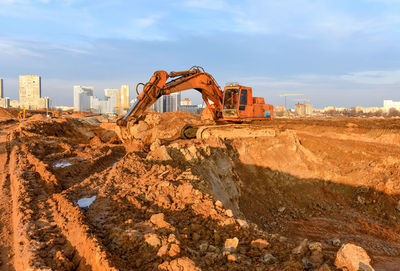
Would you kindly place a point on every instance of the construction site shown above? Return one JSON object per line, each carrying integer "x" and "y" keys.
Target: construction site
{"x": 178, "y": 191}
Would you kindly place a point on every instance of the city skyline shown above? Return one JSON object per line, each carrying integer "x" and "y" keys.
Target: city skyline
{"x": 337, "y": 53}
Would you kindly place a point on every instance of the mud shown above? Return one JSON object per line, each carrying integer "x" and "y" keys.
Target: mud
{"x": 217, "y": 203}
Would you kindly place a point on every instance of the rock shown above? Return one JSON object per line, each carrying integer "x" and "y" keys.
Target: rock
{"x": 174, "y": 250}
{"x": 162, "y": 251}
{"x": 229, "y": 213}
{"x": 269, "y": 259}
{"x": 260, "y": 244}
{"x": 172, "y": 239}
{"x": 212, "y": 248}
{"x": 158, "y": 220}
{"x": 336, "y": 242}
{"x": 152, "y": 239}
{"x": 232, "y": 258}
{"x": 160, "y": 154}
{"x": 281, "y": 209}
{"x": 242, "y": 223}
{"x": 353, "y": 258}
{"x": 360, "y": 199}
{"x": 231, "y": 244}
{"x": 301, "y": 249}
{"x": 164, "y": 266}
{"x": 219, "y": 204}
{"x": 315, "y": 246}
{"x": 203, "y": 247}
{"x": 183, "y": 264}
{"x": 317, "y": 258}
{"x": 139, "y": 131}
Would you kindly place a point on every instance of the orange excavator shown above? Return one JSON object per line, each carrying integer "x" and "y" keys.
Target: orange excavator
{"x": 235, "y": 104}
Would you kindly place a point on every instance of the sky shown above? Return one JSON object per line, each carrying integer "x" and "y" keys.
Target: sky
{"x": 334, "y": 52}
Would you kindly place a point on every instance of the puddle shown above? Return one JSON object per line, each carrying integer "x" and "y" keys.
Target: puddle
{"x": 62, "y": 164}
{"x": 85, "y": 202}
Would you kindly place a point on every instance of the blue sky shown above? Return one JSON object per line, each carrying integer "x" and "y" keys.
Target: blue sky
{"x": 336, "y": 52}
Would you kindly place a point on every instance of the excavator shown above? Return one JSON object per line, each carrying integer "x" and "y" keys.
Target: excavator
{"x": 235, "y": 104}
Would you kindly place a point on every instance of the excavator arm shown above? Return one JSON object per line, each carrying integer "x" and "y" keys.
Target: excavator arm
{"x": 194, "y": 78}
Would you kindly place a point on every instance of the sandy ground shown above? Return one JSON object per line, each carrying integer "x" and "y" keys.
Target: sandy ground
{"x": 74, "y": 197}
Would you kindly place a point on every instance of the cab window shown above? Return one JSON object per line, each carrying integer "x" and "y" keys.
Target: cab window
{"x": 243, "y": 97}
{"x": 231, "y": 98}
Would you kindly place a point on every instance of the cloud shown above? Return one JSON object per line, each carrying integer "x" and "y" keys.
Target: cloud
{"x": 374, "y": 77}
{"x": 21, "y": 47}
{"x": 147, "y": 21}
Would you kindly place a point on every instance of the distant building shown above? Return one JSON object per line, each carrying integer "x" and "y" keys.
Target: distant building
{"x": 337, "y": 109}
{"x": 113, "y": 96}
{"x": 4, "y": 102}
{"x": 82, "y": 96}
{"x": 14, "y": 103}
{"x": 387, "y": 104}
{"x": 172, "y": 102}
{"x": 124, "y": 92}
{"x": 194, "y": 109}
{"x": 30, "y": 92}
{"x": 303, "y": 109}
{"x": 102, "y": 106}
{"x": 186, "y": 101}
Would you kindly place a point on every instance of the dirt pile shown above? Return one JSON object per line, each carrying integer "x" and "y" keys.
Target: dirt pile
{"x": 75, "y": 198}
{"x": 38, "y": 117}
{"x": 5, "y": 113}
{"x": 154, "y": 126}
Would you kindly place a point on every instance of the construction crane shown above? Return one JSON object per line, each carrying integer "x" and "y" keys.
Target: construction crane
{"x": 289, "y": 94}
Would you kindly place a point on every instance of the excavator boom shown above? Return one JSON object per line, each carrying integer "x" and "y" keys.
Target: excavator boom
{"x": 194, "y": 78}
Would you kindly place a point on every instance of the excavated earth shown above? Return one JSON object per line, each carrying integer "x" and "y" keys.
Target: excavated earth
{"x": 74, "y": 197}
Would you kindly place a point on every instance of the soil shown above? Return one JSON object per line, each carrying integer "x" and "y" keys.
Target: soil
{"x": 157, "y": 202}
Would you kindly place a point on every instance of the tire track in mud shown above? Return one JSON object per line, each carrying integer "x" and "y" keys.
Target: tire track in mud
{"x": 6, "y": 252}
{"x": 41, "y": 223}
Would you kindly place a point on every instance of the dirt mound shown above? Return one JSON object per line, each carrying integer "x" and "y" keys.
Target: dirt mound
{"x": 38, "y": 117}
{"x": 5, "y": 113}
{"x": 154, "y": 126}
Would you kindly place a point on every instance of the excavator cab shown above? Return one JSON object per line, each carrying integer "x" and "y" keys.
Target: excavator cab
{"x": 235, "y": 101}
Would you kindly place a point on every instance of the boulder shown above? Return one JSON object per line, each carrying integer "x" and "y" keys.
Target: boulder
{"x": 260, "y": 244}
{"x": 353, "y": 258}
{"x": 231, "y": 244}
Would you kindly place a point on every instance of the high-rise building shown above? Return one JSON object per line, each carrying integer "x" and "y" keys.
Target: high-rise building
{"x": 172, "y": 102}
{"x": 303, "y": 109}
{"x": 387, "y": 104}
{"x": 5, "y": 102}
{"x": 82, "y": 96}
{"x": 30, "y": 92}
{"x": 114, "y": 97}
{"x": 124, "y": 98}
